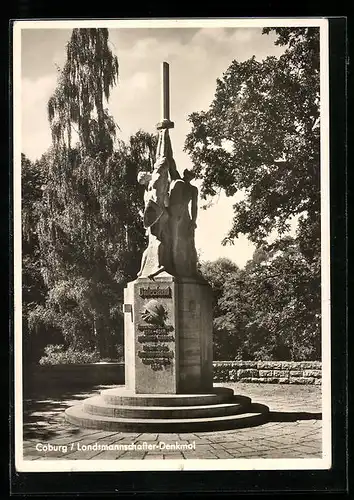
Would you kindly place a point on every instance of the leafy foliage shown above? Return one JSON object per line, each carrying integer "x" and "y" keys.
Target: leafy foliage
{"x": 268, "y": 310}
{"x": 84, "y": 84}
{"x": 33, "y": 286}
{"x": 261, "y": 136}
{"x": 90, "y": 232}
{"x": 272, "y": 308}
{"x": 268, "y": 114}
{"x": 91, "y": 239}
{"x": 216, "y": 273}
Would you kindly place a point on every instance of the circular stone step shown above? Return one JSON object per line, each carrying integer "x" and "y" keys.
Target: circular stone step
{"x": 96, "y": 405}
{"x": 121, "y": 396}
{"x": 256, "y": 415}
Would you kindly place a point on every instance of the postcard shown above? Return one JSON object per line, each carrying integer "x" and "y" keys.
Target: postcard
{"x": 171, "y": 245}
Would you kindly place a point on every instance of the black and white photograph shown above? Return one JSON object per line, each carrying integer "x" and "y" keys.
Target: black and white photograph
{"x": 171, "y": 245}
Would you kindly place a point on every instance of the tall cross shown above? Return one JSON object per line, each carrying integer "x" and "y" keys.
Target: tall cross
{"x": 165, "y": 98}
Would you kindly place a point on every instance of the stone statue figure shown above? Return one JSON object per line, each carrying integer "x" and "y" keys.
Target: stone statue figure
{"x": 157, "y": 257}
{"x": 183, "y": 209}
{"x": 169, "y": 217}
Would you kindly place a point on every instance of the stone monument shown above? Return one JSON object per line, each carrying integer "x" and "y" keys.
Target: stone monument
{"x": 168, "y": 320}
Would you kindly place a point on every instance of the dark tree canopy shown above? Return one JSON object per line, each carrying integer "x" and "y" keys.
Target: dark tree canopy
{"x": 272, "y": 306}
{"x": 33, "y": 288}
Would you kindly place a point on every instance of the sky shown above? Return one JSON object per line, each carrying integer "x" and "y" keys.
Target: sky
{"x": 197, "y": 57}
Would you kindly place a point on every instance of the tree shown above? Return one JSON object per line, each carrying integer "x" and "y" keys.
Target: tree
{"x": 261, "y": 136}
{"x": 84, "y": 84}
{"x": 32, "y": 283}
{"x": 270, "y": 308}
{"x": 268, "y": 114}
{"x": 31, "y": 184}
{"x": 91, "y": 240}
{"x": 90, "y": 230}
{"x": 33, "y": 286}
{"x": 217, "y": 273}
{"x": 79, "y": 200}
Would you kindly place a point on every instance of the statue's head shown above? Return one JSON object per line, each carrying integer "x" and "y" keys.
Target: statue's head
{"x": 188, "y": 175}
{"x": 144, "y": 178}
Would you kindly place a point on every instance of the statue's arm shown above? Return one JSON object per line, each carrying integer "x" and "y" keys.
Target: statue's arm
{"x": 167, "y": 152}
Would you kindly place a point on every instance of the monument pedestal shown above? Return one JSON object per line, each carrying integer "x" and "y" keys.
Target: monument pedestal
{"x": 168, "y": 367}
{"x": 168, "y": 336}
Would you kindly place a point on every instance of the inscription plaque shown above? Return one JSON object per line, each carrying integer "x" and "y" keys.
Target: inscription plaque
{"x": 156, "y": 338}
{"x": 147, "y": 292}
{"x": 155, "y": 353}
{"x": 155, "y": 349}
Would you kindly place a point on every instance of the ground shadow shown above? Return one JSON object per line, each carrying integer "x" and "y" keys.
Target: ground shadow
{"x": 289, "y": 416}
{"x": 43, "y": 410}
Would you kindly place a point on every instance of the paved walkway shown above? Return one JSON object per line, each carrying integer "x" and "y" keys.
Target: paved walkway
{"x": 294, "y": 431}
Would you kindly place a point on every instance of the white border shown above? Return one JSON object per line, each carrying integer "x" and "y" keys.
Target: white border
{"x": 191, "y": 464}
{"x": 325, "y": 248}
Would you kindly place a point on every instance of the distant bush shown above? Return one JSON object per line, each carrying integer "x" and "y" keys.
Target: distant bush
{"x": 59, "y": 355}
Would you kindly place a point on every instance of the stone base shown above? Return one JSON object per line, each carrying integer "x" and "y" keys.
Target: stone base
{"x": 168, "y": 351}
{"x": 121, "y": 410}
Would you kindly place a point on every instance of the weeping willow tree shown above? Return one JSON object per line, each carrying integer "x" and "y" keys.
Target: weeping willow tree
{"x": 84, "y": 85}
{"x": 90, "y": 233}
